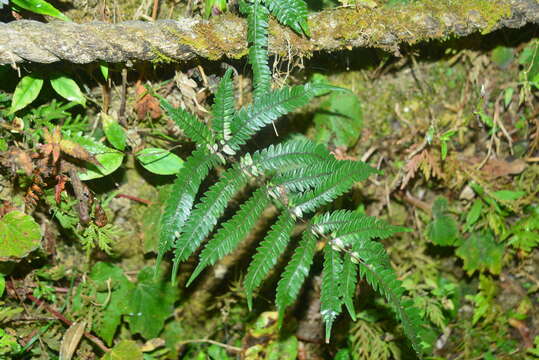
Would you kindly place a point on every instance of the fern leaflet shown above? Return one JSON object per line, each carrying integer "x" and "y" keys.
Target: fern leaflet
{"x": 267, "y": 254}
{"x": 305, "y": 178}
{"x": 257, "y": 36}
{"x": 375, "y": 268}
{"x": 348, "y": 283}
{"x": 269, "y": 108}
{"x": 232, "y": 232}
{"x": 330, "y": 300}
{"x": 191, "y": 126}
{"x": 339, "y": 182}
{"x": 292, "y": 13}
{"x": 206, "y": 213}
{"x": 223, "y": 108}
{"x": 178, "y": 207}
{"x": 295, "y": 273}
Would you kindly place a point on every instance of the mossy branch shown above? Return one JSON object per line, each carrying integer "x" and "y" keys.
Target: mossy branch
{"x": 225, "y": 36}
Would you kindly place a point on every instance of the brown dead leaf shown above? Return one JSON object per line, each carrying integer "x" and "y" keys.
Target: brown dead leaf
{"x": 22, "y": 160}
{"x": 146, "y": 103}
{"x": 71, "y": 340}
{"x": 77, "y": 151}
{"x": 495, "y": 168}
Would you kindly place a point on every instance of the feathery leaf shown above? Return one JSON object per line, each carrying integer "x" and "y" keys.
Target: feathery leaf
{"x": 223, "y": 107}
{"x": 180, "y": 201}
{"x": 330, "y": 300}
{"x": 267, "y": 254}
{"x": 295, "y": 273}
{"x": 347, "y": 288}
{"x": 257, "y": 36}
{"x": 335, "y": 185}
{"x": 232, "y": 232}
{"x": 191, "y": 126}
{"x": 269, "y": 108}
{"x": 305, "y": 178}
{"x": 292, "y": 13}
{"x": 206, "y": 214}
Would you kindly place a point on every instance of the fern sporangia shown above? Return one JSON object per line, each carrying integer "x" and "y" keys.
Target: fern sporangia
{"x": 298, "y": 177}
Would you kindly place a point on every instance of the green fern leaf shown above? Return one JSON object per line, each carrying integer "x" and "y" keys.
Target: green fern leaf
{"x": 269, "y": 108}
{"x": 206, "y": 214}
{"x": 330, "y": 301}
{"x": 257, "y": 36}
{"x": 292, "y": 13}
{"x": 191, "y": 126}
{"x": 267, "y": 254}
{"x": 223, "y": 108}
{"x": 232, "y": 232}
{"x": 347, "y": 288}
{"x": 295, "y": 273}
{"x": 374, "y": 266}
{"x": 290, "y": 155}
{"x": 179, "y": 203}
{"x": 305, "y": 178}
{"x": 335, "y": 185}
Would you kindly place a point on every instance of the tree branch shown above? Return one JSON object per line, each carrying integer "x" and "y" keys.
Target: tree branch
{"x": 225, "y": 36}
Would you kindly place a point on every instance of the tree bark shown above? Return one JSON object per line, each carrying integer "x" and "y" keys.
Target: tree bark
{"x": 225, "y": 36}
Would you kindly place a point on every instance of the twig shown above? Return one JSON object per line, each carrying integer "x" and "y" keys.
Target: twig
{"x": 134, "y": 198}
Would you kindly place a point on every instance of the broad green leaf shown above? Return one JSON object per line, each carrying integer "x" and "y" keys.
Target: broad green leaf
{"x": 283, "y": 349}
{"x": 474, "y": 213}
{"x": 19, "y": 235}
{"x": 214, "y": 7}
{"x": 126, "y": 349}
{"x": 68, "y": 89}
{"x": 109, "y": 158}
{"x": 151, "y": 303}
{"x": 480, "y": 252}
{"x": 525, "y": 233}
{"x": 529, "y": 58}
{"x": 339, "y": 120}
{"x": 114, "y": 132}
{"x": 160, "y": 161}
{"x": 106, "y": 285}
{"x": 508, "y": 195}
{"x": 104, "y": 67}
{"x": 26, "y": 91}
{"x": 443, "y": 229}
{"x": 40, "y": 7}
{"x": 502, "y": 56}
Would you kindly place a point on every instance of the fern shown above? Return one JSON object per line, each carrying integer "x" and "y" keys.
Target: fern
{"x": 223, "y": 108}
{"x": 272, "y": 106}
{"x": 330, "y": 299}
{"x": 298, "y": 176}
{"x": 184, "y": 189}
{"x": 232, "y": 232}
{"x": 267, "y": 254}
{"x": 292, "y": 13}
{"x": 191, "y": 126}
{"x": 295, "y": 273}
{"x": 206, "y": 214}
{"x": 257, "y": 36}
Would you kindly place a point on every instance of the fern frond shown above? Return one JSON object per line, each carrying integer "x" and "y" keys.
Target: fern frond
{"x": 292, "y": 13}
{"x": 206, "y": 214}
{"x": 257, "y": 36}
{"x": 347, "y": 286}
{"x": 335, "y": 185}
{"x": 190, "y": 125}
{"x": 267, "y": 254}
{"x": 180, "y": 201}
{"x": 350, "y": 227}
{"x": 374, "y": 266}
{"x": 269, "y": 108}
{"x": 295, "y": 273}
{"x": 330, "y": 300}
{"x": 304, "y": 178}
{"x": 290, "y": 155}
{"x": 223, "y": 107}
{"x": 232, "y": 232}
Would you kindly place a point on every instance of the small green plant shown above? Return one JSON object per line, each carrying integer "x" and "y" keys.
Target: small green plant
{"x": 41, "y": 7}
{"x": 298, "y": 177}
